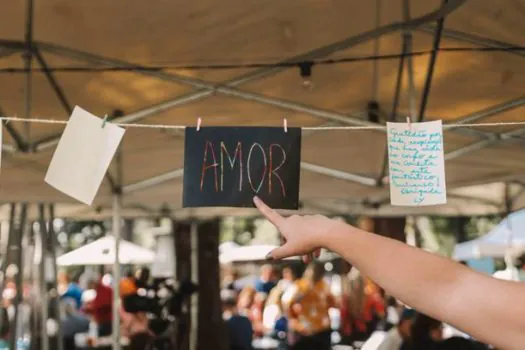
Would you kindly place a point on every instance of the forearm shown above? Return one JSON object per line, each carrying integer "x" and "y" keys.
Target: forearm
{"x": 407, "y": 273}
{"x": 431, "y": 284}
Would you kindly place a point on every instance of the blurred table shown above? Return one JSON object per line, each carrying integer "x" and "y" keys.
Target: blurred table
{"x": 100, "y": 343}
{"x": 265, "y": 343}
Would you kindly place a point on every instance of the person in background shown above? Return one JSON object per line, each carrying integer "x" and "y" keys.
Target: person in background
{"x": 107, "y": 277}
{"x": 392, "y": 313}
{"x": 256, "y": 313}
{"x": 85, "y": 277}
{"x": 128, "y": 285}
{"x": 426, "y": 334}
{"x": 229, "y": 279}
{"x": 266, "y": 281}
{"x": 101, "y": 307}
{"x": 274, "y": 320}
{"x": 142, "y": 277}
{"x": 134, "y": 326}
{"x": 273, "y": 309}
{"x": 374, "y": 308}
{"x": 308, "y": 318}
{"x": 286, "y": 284}
{"x": 245, "y": 300}
{"x": 4, "y": 329}
{"x": 351, "y": 306}
{"x": 239, "y": 327}
{"x": 460, "y": 343}
{"x": 395, "y": 337}
{"x": 288, "y": 279}
{"x": 362, "y": 307}
{"x": 72, "y": 290}
{"x": 73, "y": 322}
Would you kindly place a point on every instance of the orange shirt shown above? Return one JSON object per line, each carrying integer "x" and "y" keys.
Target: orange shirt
{"x": 127, "y": 287}
{"x": 308, "y": 306}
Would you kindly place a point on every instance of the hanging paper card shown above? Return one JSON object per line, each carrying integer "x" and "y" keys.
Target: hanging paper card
{"x": 227, "y": 166}
{"x": 83, "y": 155}
{"x": 417, "y": 167}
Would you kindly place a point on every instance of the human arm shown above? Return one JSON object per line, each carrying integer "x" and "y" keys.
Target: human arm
{"x": 491, "y": 310}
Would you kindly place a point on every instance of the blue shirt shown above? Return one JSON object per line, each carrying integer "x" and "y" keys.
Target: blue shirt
{"x": 240, "y": 332}
{"x": 74, "y": 292}
{"x": 264, "y": 287}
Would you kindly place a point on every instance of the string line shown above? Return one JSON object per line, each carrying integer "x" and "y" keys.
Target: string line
{"x": 254, "y": 65}
{"x": 319, "y": 128}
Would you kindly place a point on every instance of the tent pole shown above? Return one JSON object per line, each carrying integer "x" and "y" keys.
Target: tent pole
{"x": 397, "y": 93}
{"x": 51, "y": 243}
{"x": 42, "y": 274}
{"x": 7, "y": 255}
{"x": 116, "y": 271}
{"x": 28, "y": 60}
{"x": 117, "y": 206}
{"x": 375, "y": 69}
{"x": 194, "y": 330}
{"x": 13, "y": 331}
{"x": 431, "y": 65}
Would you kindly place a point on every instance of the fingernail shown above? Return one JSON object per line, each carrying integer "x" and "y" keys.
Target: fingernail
{"x": 256, "y": 199}
{"x": 269, "y": 256}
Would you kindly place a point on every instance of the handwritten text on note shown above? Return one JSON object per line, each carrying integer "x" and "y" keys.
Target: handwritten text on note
{"x": 417, "y": 167}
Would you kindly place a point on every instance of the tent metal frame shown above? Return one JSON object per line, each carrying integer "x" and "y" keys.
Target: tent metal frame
{"x": 33, "y": 50}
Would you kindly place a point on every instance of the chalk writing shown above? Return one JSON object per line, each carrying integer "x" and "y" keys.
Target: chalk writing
{"x": 250, "y": 168}
{"x": 267, "y": 171}
{"x": 238, "y": 152}
{"x": 417, "y": 171}
{"x": 227, "y": 166}
{"x": 205, "y": 166}
{"x": 273, "y": 171}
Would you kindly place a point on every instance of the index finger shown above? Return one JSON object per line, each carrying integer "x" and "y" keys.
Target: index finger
{"x": 270, "y": 214}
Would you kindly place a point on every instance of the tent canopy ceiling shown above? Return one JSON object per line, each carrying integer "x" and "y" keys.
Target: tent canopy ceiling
{"x": 482, "y": 86}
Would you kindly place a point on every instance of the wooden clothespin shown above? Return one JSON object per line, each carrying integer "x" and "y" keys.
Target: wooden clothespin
{"x": 199, "y": 121}
{"x": 285, "y": 124}
{"x": 104, "y": 121}
{"x": 409, "y": 122}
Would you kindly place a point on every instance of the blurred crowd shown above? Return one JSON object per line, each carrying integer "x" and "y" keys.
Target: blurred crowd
{"x": 87, "y": 309}
{"x": 314, "y": 310}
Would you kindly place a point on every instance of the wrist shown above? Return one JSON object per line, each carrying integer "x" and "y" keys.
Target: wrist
{"x": 333, "y": 238}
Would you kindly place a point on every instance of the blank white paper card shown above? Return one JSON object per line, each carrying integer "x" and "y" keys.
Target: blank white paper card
{"x": 83, "y": 155}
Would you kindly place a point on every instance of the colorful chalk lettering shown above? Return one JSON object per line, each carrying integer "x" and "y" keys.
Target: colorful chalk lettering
{"x": 234, "y": 164}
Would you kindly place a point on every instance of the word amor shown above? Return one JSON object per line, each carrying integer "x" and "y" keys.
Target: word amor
{"x": 217, "y": 157}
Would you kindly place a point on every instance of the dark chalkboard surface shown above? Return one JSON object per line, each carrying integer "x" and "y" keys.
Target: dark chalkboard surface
{"x": 227, "y": 166}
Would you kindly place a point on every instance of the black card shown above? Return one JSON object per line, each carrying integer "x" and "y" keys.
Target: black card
{"x": 227, "y": 166}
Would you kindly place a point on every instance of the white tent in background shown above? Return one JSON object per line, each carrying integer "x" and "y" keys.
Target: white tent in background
{"x": 246, "y": 253}
{"x": 163, "y": 265}
{"x": 225, "y": 246}
{"x": 506, "y": 239}
{"x": 102, "y": 252}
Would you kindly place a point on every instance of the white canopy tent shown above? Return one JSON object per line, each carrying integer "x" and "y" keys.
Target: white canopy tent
{"x": 506, "y": 239}
{"x": 246, "y": 253}
{"x": 102, "y": 252}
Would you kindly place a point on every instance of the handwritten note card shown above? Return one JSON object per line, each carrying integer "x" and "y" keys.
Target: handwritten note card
{"x": 417, "y": 167}
{"x": 227, "y": 166}
{"x": 83, "y": 155}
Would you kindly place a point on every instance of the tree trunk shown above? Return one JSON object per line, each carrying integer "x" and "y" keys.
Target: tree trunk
{"x": 388, "y": 227}
{"x": 461, "y": 233}
{"x": 391, "y": 227}
{"x": 210, "y": 333}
